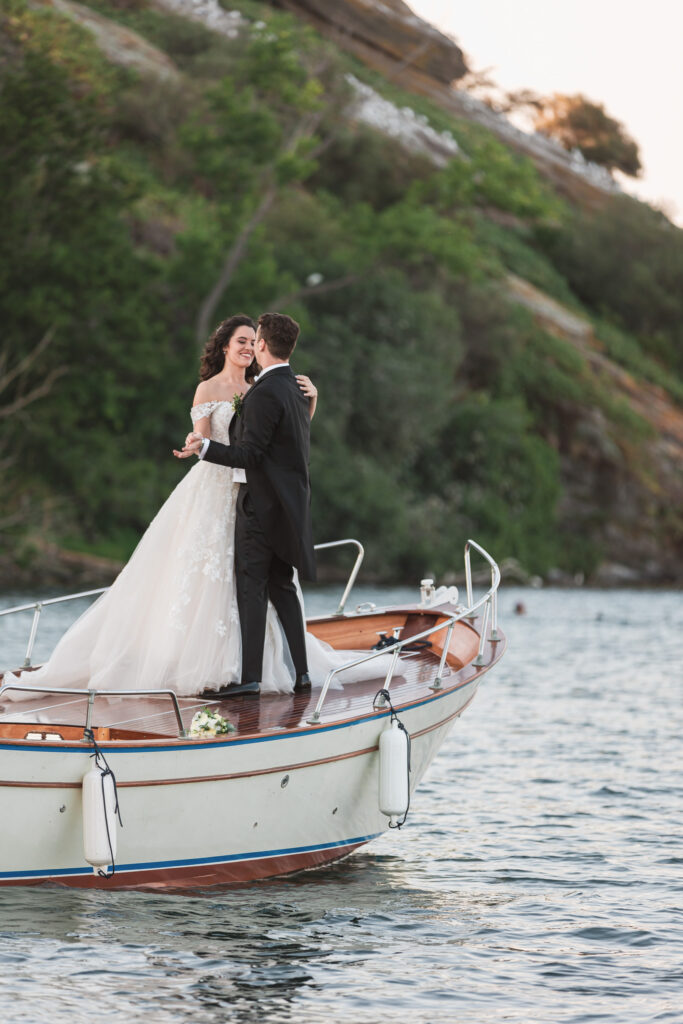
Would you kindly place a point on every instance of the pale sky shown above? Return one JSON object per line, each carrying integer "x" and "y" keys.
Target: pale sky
{"x": 626, "y": 54}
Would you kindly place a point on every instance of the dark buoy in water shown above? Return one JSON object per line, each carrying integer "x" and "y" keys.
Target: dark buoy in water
{"x": 520, "y": 608}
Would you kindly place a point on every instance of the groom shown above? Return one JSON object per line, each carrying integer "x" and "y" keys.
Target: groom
{"x": 273, "y": 534}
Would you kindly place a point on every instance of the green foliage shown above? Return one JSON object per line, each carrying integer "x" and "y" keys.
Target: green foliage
{"x": 623, "y": 348}
{"x": 626, "y": 262}
{"x": 514, "y": 246}
{"x": 499, "y": 481}
{"x": 442, "y": 406}
{"x": 510, "y": 481}
{"x": 361, "y": 166}
{"x": 556, "y": 380}
{"x": 493, "y": 177}
{"x": 386, "y": 358}
{"x": 422, "y": 239}
{"x": 508, "y": 181}
{"x": 76, "y": 275}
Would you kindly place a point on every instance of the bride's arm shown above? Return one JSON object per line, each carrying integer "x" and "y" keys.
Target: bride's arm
{"x": 310, "y": 391}
{"x": 203, "y": 425}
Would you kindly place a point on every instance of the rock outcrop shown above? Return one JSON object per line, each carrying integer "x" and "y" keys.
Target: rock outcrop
{"x": 412, "y": 130}
{"x": 587, "y": 184}
{"x": 390, "y": 38}
{"x": 384, "y": 30}
{"x": 207, "y": 12}
{"x": 119, "y": 44}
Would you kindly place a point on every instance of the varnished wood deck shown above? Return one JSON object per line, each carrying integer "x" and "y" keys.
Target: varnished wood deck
{"x": 152, "y": 718}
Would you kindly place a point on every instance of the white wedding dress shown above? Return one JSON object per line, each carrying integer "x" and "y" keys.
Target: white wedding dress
{"x": 170, "y": 619}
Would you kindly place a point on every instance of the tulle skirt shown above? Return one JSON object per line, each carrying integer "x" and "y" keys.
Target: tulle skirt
{"x": 170, "y": 619}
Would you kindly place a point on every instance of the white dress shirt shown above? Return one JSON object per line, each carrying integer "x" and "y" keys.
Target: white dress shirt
{"x": 239, "y": 475}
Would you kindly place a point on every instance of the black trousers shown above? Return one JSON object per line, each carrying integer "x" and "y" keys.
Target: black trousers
{"x": 261, "y": 574}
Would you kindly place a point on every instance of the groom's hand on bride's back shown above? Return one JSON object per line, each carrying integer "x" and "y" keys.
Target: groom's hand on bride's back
{"x": 193, "y": 444}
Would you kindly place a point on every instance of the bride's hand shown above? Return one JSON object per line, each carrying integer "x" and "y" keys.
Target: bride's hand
{"x": 193, "y": 444}
{"x": 307, "y": 385}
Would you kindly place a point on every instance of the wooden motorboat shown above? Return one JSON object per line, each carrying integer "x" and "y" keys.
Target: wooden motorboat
{"x": 295, "y": 786}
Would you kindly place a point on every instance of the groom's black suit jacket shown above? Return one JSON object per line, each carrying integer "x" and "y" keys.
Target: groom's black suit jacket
{"x": 270, "y": 439}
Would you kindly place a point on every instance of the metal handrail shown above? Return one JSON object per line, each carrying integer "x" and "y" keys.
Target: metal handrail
{"x": 448, "y": 624}
{"x": 37, "y": 606}
{"x": 489, "y": 600}
{"x": 51, "y": 600}
{"x": 92, "y": 694}
{"x": 354, "y": 572}
{"x": 495, "y": 583}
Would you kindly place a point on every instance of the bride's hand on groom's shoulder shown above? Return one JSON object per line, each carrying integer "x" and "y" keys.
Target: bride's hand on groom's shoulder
{"x": 310, "y": 391}
{"x": 307, "y": 385}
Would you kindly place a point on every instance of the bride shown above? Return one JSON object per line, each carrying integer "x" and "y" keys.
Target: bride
{"x": 170, "y": 620}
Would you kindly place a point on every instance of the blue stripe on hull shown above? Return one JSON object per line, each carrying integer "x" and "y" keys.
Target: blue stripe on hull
{"x": 193, "y": 861}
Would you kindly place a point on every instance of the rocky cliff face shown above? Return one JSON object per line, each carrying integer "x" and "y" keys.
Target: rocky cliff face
{"x": 390, "y": 38}
{"x": 384, "y": 32}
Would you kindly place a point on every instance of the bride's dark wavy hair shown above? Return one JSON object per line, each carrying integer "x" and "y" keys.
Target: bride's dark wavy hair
{"x": 213, "y": 358}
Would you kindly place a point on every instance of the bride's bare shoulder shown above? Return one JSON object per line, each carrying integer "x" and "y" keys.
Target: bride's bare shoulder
{"x": 203, "y": 393}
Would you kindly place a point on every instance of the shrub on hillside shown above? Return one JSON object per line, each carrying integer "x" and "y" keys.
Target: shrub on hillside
{"x": 626, "y": 262}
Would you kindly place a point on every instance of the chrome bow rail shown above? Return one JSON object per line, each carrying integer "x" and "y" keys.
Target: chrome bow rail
{"x": 490, "y": 604}
{"x": 92, "y": 694}
{"x": 37, "y": 609}
{"x": 37, "y": 606}
{"x": 354, "y": 571}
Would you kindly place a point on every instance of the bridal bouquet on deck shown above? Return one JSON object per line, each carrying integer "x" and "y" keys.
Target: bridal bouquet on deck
{"x": 209, "y": 723}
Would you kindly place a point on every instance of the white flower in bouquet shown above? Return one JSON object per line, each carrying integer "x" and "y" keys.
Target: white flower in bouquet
{"x": 210, "y": 723}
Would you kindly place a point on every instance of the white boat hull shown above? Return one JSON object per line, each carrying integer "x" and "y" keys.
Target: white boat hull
{"x": 206, "y": 812}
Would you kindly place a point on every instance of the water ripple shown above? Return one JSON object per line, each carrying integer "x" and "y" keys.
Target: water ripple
{"x": 537, "y": 882}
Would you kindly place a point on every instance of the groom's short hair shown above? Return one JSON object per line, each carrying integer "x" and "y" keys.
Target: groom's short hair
{"x": 279, "y": 332}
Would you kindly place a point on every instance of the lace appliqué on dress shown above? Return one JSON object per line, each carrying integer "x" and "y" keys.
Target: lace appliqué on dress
{"x": 209, "y": 548}
{"x": 198, "y": 412}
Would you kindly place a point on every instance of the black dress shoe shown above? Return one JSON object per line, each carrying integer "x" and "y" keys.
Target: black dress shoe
{"x": 302, "y": 683}
{"x": 233, "y": 690}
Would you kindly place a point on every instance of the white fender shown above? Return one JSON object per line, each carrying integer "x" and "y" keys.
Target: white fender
{"x": 393, "y": 772}
{"x": 99, "y": 846}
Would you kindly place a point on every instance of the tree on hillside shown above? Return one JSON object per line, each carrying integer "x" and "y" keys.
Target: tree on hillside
{"x": 263, "y": 129}
{"x": 573, "y": 121}
{"x": 578, "y": 123}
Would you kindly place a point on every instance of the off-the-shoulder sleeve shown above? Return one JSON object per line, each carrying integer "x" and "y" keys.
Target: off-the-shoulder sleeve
{"x": 198, "y": 412}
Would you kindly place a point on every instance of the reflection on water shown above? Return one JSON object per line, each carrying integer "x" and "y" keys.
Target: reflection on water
{"x": 538, "y": 877}
{"x": 251, "y": 950}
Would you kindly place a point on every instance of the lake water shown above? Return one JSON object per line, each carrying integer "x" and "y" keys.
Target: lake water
{"x": 539, "y": 877}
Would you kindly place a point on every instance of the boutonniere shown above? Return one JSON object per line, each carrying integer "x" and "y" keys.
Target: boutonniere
{"x": 237, "y": 403}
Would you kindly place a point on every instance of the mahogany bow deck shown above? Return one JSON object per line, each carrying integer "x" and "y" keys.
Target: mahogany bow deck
{"x": 55, "y": 717}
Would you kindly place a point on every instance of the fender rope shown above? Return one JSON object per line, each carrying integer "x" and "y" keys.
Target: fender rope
{"x": 104, "y": 770}
{"x": 394, "y": 718}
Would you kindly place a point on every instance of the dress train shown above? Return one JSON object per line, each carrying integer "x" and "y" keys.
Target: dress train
{"x": 170, "y": 619}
